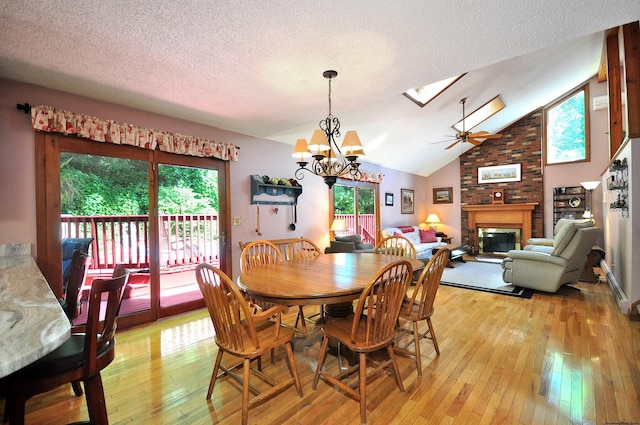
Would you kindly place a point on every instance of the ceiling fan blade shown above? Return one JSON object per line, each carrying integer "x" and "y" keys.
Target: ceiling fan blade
{"x": 474, "y": 142}
{"x": 452, "y": 145}
{"x": 491, "y": 136}
{"x": 449, "y": 139}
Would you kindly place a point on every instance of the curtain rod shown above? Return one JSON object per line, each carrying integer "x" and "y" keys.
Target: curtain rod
{"x": 24, "y": 107}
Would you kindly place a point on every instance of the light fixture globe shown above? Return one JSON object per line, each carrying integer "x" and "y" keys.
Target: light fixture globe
{"x": 589, "y": 186}
{"x": 329, "y": 161}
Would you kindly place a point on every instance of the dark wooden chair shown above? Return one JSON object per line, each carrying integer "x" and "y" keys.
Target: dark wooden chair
{"x": 71, "y": 303}
{"x": 299, "y": 250}
{"x": 245, "y": 334}
{"x": 80, "y": 358}
{"x": 419, "y": 306}
{"x": 371, "y": 328}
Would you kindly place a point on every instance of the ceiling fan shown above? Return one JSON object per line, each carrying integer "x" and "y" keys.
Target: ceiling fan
{"x": 469, "y": 137}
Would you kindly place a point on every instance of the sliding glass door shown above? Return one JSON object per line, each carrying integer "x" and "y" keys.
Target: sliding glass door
{"x": 158, "y": 214}
{"x": 356, "y": 203}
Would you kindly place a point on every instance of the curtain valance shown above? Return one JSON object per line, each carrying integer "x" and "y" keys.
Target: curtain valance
{"x": 52, "y": 120}
{"x": 366, "y": 176}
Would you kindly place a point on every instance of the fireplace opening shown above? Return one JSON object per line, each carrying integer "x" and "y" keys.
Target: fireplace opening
{"x": 493, "y": 241}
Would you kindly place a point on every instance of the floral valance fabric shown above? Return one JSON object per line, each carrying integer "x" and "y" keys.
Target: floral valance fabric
{"x": 366, "y": 176}
{"x": 52, "y": 120}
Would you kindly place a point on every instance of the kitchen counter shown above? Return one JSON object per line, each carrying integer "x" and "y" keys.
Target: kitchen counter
{"x": 32, "y": 323}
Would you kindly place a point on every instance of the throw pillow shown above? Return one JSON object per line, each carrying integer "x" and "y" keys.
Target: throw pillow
{"x": 428, "y": 236}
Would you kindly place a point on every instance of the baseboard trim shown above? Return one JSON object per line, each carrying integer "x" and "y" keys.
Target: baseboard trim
{"x": 618, "y": 294}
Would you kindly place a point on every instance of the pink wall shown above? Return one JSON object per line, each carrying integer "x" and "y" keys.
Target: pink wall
{"x": 257, "y": 156}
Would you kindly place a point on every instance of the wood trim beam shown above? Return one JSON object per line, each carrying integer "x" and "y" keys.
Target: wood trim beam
{"x": 615, "y": 94}
{"x": 631, "y": 37}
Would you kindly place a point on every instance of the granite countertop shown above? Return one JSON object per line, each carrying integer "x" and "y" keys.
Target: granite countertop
{"x": 32, "y": 323}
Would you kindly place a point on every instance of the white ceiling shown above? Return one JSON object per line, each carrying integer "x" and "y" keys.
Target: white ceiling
{"x": 255, "y": 67}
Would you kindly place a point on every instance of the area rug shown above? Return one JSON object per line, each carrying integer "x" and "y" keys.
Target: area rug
{"x": 481, "y": 276}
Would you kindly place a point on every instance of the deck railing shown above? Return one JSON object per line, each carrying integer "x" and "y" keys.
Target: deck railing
{"x": 366, "y": 226}
{"x": 185, "y": 239}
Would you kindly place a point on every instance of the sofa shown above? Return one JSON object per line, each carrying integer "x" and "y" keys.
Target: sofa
{"x": 424, "y": 241}
{"x": 348, "y": 243}
{"x": 547, "y": 268}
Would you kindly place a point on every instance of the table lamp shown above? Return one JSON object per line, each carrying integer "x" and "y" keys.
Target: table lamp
{"x": 338, "y": 225}
{"x": 432, "y": 221}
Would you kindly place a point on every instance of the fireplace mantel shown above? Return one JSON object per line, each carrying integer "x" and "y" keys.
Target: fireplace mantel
{"x": 501, "y": 215}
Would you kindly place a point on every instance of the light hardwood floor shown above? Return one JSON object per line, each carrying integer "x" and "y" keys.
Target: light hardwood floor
{"x": 566, "y": 358}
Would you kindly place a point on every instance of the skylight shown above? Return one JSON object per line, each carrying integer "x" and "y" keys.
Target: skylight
{"x": 481, "y": 114}
{"x": 425, "y": 94}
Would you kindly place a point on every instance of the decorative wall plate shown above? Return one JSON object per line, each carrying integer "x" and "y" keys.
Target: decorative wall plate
{"x": 575, "y": 202}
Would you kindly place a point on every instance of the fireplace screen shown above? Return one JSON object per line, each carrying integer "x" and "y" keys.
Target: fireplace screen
{"x": 492, "y": 241}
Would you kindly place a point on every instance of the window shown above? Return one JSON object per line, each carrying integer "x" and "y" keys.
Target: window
{"x": 566, "y": 123}
{"x": 481, "y": 114}
{"x": 425, "y": 94}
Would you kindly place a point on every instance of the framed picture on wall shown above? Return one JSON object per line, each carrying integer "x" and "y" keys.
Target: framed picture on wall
{"x": 406, "y": 199}
{"x": 388, "y": 199}
{"x": 499, "y": 173}
{"x": 443, "y": 195}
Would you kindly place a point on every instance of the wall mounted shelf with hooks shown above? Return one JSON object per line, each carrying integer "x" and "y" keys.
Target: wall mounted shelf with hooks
{"x": 259, "y": 189}
{"x": 618, "y": 181}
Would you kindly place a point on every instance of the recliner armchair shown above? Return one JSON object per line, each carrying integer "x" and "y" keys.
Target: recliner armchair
{"x": 559, "y": 225}
{"x": 546, "y": 268}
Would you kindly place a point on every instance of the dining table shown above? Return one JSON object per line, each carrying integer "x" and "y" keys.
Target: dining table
{"x": 32, "y": 323}
{"x": 331, "y": 280}
{"x": 326, "y": 279}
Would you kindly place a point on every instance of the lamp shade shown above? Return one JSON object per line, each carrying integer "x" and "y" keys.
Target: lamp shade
{"x": 352, "y": 144}
{"x": 300, "y": 150}
{"x": 590, "y": 185}
{"x": 432, "y": 218}
{"x": 338, "y": 225}
{"x": 318, "y": 143}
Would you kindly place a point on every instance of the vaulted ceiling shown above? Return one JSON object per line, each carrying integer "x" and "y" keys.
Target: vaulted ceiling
{"x": 255, "y": 67}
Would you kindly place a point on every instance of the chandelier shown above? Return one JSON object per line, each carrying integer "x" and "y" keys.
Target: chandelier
{"x": 329, "y": 160}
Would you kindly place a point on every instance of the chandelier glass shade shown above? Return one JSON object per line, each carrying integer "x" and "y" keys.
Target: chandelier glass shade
{"x": 322, "y": 154}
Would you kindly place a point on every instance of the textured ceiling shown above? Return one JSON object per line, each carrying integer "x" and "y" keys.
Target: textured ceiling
{"x": 255, "y": 67}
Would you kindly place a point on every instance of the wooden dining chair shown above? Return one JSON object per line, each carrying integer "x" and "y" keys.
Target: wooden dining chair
{"x": 80, "y": 358}
{"x": 301, "y": 249}
{"x": 371, "y": 328}
{"x": 419, "y": 306}
{"x": 245, "y": 334}
{"x": 259, "y": 253}
{"x": 396, "y": 245}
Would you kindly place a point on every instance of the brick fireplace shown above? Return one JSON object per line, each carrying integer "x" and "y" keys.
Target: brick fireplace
{"x": 509, "y": 216}
{"x": 521, "y": 143}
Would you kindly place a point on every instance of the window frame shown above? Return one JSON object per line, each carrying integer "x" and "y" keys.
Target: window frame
{"x": 587, "y": 142}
